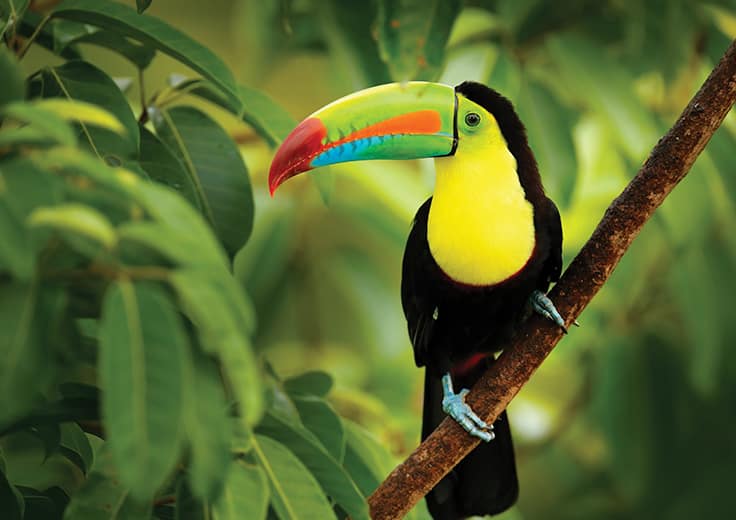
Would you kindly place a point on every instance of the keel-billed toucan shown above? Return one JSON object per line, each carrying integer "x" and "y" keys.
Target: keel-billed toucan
{"x": 480, "y": 256}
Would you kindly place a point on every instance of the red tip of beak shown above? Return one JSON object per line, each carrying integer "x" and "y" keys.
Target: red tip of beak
{"x": 302, "y": 145}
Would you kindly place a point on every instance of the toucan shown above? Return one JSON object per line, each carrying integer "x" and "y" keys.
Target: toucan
{"x": 481, "y": 252}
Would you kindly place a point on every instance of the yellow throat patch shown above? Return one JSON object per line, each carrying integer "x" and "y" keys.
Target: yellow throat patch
{"x": 481, "y": 227}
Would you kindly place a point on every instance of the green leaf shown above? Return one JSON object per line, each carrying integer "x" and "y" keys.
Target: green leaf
{"x": 321, "y": 419}
{"x": 188, "y": 507}
{"x": 28, "y": 321}
{"x": 67, "y": 33}
{"x": 11, "y": 12}
{"x": 366, "y": 460}
{"x": 23, "y": 187}
{"x": 184, "y": 228}
{"x": 506, "y": 75}
{"x": 313, "y": 383}
{"x": 76, "y": 408}
{"x": 208, "y": 429}
{"x": 295, "y": 493}
{"x": 13, "y": 84}
{"x": 162, "y": 166}
{"x": 11, "y": 501}
{"x": 104, "y": 496}
{"x": 217, "y": 308}
{"x": 76, "y": 221}
{"x": 142, "y": 5}
{"x": 152, "y": 32}
{"x": 81, "y": 81}
{"x": 75, "y": 441}
{"x": 216, "y": 168}
{"x": 348, "y": 31}
{"x": 412, "y": 35}
{"x": 246, "y": 493}
{"x": 143, "y": 368}
{"x": 44, "y": 38}
{"x": 269, "y": 119}
{"x": 48, "y": 124}
{"x": 549, "y": 127}
{"x": 332, "y": 477}
{"x": 50, "y": 435}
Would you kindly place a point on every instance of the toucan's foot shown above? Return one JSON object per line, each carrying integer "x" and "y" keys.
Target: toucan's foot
{"x": 544, "y": 306}
{"x": 455, "y": 406}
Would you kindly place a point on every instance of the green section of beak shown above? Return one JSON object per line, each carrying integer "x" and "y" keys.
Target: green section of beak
{"x": 395, "y": 121}
{"x": 376, "y": 105}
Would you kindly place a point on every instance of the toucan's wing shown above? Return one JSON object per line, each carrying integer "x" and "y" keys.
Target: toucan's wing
{"x": 416, "y": 294}
{"x": 553, "y": 264}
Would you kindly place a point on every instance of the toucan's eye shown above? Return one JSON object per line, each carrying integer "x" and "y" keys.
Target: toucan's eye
{"x": 472, "y": 119}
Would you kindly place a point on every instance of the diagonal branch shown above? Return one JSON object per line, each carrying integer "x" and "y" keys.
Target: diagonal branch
{"x": 668, "y": 163}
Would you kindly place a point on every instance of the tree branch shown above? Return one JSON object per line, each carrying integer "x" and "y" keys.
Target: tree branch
{"x": 668, "y": 163}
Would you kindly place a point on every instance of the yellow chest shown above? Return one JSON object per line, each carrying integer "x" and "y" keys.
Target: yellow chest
{"x": 481, "y": 227}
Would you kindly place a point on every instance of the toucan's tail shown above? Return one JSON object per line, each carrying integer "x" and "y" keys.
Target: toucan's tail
{"x": 484, "y": 483}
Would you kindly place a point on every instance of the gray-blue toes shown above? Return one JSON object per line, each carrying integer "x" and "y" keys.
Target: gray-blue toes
{"x": 544, "y": 306}
{"x": 455, "y": 406}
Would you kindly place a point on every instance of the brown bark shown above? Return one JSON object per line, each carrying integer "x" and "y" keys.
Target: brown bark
{"x": 668, "y": 163}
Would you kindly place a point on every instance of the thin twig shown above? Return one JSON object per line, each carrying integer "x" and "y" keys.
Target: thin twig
{"x": 668, "y": 163}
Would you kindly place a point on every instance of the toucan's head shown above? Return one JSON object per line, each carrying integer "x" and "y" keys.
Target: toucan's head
{"x": 400, "y": 121}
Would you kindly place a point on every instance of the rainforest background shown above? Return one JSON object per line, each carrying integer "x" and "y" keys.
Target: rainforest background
{"x": 268, "y": 373}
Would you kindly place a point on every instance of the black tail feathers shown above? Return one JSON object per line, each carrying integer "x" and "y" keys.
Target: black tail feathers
{"x": 485, "y": 482}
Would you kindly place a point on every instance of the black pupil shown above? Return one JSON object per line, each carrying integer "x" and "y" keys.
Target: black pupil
{"x": 472, "y": 119}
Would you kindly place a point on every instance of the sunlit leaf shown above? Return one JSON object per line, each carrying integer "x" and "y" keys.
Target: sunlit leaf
{"x": 295, "y": 494}
{"x": 143, "y": 360}
{"x": 246, "y": 493}
{"x": 48, "y": 124}
{"x": 412, "y": 35}
{"x": 75, "y": 219}
{"x": 124, "y": 20}
{"x": 71, "y": 110}
{"x": 213, "y": 162}
{"x": 328, "y": 472}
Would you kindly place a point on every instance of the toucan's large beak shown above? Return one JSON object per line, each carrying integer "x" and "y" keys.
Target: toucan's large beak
{"x": 394, "y": 121}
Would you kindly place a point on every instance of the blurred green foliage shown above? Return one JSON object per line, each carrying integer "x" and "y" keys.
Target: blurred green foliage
{"x": 631, "y": 417}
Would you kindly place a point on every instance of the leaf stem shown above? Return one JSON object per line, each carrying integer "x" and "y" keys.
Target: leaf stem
{"x": 33, "y": 36}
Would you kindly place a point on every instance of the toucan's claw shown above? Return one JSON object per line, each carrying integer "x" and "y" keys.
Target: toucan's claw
{"x": 544, "y": 306}
{"x": 576, "y": 323}
{"x": 455, "y": 406}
